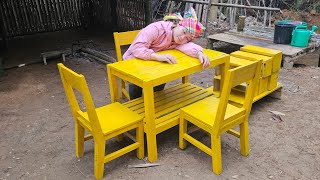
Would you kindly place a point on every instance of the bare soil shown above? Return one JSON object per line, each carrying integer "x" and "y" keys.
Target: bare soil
{"x": 37, "y": 130}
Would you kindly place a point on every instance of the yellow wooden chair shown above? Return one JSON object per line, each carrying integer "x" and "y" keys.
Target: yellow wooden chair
{"x": 216, "y": 115}
{"x": 122, "y": 39}
{"x": 103, "y": 123}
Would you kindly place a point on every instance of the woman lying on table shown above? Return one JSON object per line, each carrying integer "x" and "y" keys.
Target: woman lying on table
{"x": 164, "y": 35}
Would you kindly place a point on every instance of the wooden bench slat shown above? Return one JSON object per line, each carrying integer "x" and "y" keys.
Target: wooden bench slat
{"x": 184, "y": 103}
{"x": 168, "y": 103}
{"x": 167, "y": 95}
{"x": 140, "y": 100}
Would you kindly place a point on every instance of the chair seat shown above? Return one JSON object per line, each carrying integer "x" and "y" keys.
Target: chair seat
{"x": 113, "y": 117}
{"x": 206, "y": 110}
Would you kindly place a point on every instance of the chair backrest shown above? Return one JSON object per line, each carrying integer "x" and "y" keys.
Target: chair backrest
{"x": 71, "y": 81}
{"x": 122, "y": 39}
{"x": 248, "y": 74}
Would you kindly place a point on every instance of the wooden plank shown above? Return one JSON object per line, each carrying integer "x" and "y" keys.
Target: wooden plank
{"x": 15, "y": 18}
{"x": 41, "y": 27}
{"x": 47, "y": 15}
{"x": 5, "y": 19}
{"x": 287, "y": 50}
{"x": 156, "y": 95}
{"x": 78, "y": 20}
{"x": 43, "y": 14}
{"x": 134, "y": 102}
{"x": 3, "y": 28}
{"x": 169, "y": 101}
{"x": 9, "y": 16}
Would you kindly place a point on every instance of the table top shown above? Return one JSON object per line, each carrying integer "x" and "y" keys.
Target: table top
{"x": 160, "y": 72}
{"x": 286, "y": 49}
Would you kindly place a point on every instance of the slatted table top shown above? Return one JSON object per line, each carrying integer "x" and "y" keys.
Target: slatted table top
{"x": 286, "y": 49}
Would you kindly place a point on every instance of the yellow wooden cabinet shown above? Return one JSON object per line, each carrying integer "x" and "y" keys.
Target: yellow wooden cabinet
{"x": 268, "y": 81}
{"x": 266, "y": 67}
{"x": 275, "y": 54}
{"x": 273, "y": 81}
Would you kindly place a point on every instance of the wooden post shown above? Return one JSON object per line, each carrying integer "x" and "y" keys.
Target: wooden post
{"x": 148, "y": 12}
{"x": 213, "y": 11}
{"x": 114, "y": 15}
{"x": 3, "y": 30}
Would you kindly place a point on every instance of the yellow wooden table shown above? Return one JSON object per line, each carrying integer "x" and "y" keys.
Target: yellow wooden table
{"x": 161, "y": 109}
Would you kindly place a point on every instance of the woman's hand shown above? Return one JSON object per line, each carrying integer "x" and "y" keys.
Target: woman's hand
{"x": 164, "y": 58}
{"x": 203, "y": 59}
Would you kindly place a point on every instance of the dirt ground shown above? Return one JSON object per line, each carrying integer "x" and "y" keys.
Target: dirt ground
{"x": 37, "y": 130}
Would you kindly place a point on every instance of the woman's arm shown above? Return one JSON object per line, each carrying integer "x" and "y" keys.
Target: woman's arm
{"x": 140, "y": 48}
{"x": 190, "y": 49}
{"x": 195, "y": 51}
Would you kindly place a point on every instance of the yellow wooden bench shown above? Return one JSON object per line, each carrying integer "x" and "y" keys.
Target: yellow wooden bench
{"x": 266, "y": 69}
{"x": 276, "y": 62}
{"x": 268, "y": 81}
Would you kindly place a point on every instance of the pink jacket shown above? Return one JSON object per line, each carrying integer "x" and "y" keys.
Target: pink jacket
{"x": 157, "y": 37}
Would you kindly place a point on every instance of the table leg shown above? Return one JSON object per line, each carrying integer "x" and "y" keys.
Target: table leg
{"x": 113, "y": 84}
{"x": 216, "y": 82}
{"x": 223, "y": 70}
{"x": 185, "y": 79}
{"x": 150, "y": 122}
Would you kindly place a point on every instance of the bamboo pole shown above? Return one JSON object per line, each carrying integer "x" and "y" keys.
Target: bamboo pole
{"x": 9, "y": 17}
{"x": 57, "y": 14}
{"x": 148, "y": 10}
{"x": 34, "y": 16}
{"x": 39, "y": 15}
{"x": 66, "y": 13}
{"x": 3, "y": 18}
{"x": 70, "y": 13}
{"x": 98, "y": 54}
{"x": 20, "y": 17}
{"x": 61, "y": 13}
{"x": 48, "y": 19}
{"x": 15, "y": 18}
{"x": 78, "y": 13}
{"x": 55, "y": 17}
{"x": 50, "y": 22}
{"x": 73, "y": 13}
{"x": 3, "y": 27}
{"x": 234, "y": 5}
{"x": 94, "y": 58}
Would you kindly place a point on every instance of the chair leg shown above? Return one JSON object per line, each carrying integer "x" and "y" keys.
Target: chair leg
{"x": 216, "y": 154}
{"x": 99, "y": 153}
{"x": 182, "y": 130}
{"x": 79, "y": 132}
{"x": 140, "y": 139}
{"x": 244, "y": 138}
{"x": 123, "y": 86}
